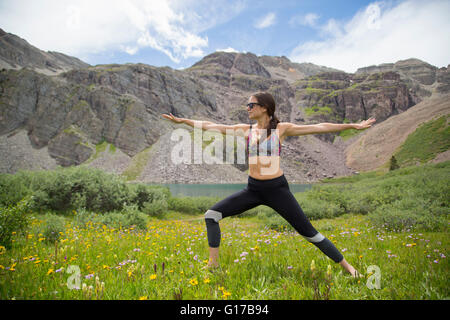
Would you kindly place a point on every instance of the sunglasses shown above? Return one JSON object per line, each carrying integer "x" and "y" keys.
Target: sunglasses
{"x": 251, "y": 105}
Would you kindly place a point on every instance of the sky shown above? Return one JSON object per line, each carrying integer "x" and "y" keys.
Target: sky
{"x": 342, "y": 34}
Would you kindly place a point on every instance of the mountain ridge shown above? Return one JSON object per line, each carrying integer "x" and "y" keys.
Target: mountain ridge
{"x": 69, "y": 112}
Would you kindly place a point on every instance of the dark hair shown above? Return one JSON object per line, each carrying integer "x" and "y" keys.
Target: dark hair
{"x": 267, "y": 101}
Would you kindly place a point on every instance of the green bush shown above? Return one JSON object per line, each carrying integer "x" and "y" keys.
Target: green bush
{"x": 320, "y": 209}
{"x": 52, "y": 227}
{"x": 192, "y": 205}
{"x": 67, "y": 189}
{"x": 13, "y": 219}
{"x": 12, "y": 189}
{"x": 83, "y": 217}
{"x": 142, "y": 194}
{"x": 112, "y": 219}
{"x": 79, "y": 187}
{"x": 133, "y": 217}
{"x": 411, "y": 213}
{"x": 128, "y": 218}
{"x": 156, "y": 208}
{"x": 183, "y": 204}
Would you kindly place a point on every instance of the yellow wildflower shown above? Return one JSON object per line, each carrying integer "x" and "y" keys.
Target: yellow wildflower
{"x": 2, "y": 249}
{"x": 226, "y": 294}
{"x": 153, "y": 277}
{"x": 329, "y": 270}
{"x": 143, "y": 298}
{"x": 50, "y": 271}
{"x": 193, "y": 282}
{"x": 206, "y": 280}
{"x": 313, "y": 265}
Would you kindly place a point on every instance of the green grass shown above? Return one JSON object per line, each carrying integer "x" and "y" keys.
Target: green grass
{"x": 256, "y": 262}
{"x": 397, "y": 221}
{"x": 428, "y": 140}
{"x": 347, "y": 134}
{"x": 100, "y": 148}
{"x": 137, "y": 165}
{"x": 317, "y": 110}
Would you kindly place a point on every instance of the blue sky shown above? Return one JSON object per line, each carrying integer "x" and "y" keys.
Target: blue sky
{"x": 177, "y": 33}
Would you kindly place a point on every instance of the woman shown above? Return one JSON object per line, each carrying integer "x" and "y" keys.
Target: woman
{"x": 266, "y": 182}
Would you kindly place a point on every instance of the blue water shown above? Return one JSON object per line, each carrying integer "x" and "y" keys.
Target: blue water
{"x": 218, "y": 190}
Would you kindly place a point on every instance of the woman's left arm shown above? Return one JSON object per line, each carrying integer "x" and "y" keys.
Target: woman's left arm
{"x": 299, "y": 130}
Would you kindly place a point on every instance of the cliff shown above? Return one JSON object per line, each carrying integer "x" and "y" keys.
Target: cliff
{"x": 56, "y": 110}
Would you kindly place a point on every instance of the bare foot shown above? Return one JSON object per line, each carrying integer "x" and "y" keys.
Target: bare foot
{"x": 349, "y": 268}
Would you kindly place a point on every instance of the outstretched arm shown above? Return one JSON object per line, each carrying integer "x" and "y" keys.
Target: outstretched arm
{"x": 238, "y": 129}
{"x": 299, "y": 130}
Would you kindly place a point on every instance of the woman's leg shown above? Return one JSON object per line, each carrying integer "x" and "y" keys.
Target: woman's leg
{"x": 283, "y": 201}
{"x": 234, "y": 204}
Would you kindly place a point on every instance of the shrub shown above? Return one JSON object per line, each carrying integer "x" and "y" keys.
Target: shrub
{"x": 112, "y": 219}
{"x": 156, "y": 208}
{"x": 183, "y": 204}
{"x": 129, "y": 217}
{"x": 13, "y": 219}
{"x": 142, "y": 194}
{"x": 83, "y": 216}
{"x": 410, "y": 213}
{"x": 133, "y": 217}
{"x": 79, "y": 187}
{"x": 52, "y": 227}
{"x": 191, "y": 205}
{"x": 12, "y": 189}
{"x": 320, "y": 209}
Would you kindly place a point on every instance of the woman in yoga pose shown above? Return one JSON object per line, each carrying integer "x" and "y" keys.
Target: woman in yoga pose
{"x": 267, "y": 184}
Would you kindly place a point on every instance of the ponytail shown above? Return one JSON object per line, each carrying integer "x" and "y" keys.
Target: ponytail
{"x": 272, "y": 124}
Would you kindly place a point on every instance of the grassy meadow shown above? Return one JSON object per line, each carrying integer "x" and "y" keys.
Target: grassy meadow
{"x": 392, "y": 226}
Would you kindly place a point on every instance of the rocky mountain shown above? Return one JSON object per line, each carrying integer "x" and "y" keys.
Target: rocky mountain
{"x": 56, "y": 110}
{"x": 17, "y": 53}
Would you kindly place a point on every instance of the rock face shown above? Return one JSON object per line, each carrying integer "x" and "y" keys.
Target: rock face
{"x": 340, "y": 97}
{"x": 69, "y": 110}
{"x": 16, "y": 53}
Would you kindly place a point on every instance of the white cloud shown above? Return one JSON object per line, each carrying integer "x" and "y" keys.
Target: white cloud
{"x": 84, "y": 27}
{"x": 265, "y": 21}
{"x": 229, "y": 49}
{"x": 382, "y": 33}
{"x": 309, "y": 20}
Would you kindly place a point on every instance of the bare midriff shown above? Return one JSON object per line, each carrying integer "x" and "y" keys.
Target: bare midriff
{"x": 264, "y": 167}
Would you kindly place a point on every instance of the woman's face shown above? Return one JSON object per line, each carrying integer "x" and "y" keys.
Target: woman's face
{"x": 257, "y": 110}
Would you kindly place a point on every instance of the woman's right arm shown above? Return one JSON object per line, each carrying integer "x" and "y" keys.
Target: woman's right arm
{"x": 237, "y": 129}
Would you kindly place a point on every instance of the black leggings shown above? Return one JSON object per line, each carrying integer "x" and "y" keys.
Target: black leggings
{"x": 275, "y": 194}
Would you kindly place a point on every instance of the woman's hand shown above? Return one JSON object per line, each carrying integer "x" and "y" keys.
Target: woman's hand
{"x": 365, "y": 124}
{"x": 171, "y": 117}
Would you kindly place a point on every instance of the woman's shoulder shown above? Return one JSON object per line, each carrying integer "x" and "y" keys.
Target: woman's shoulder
{"x": 281, "y": 128}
